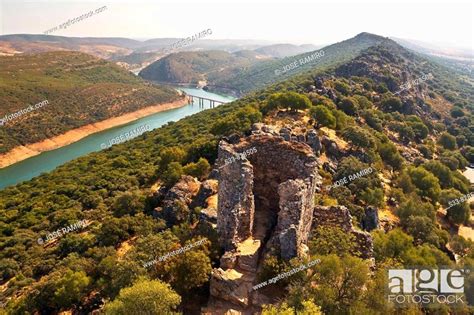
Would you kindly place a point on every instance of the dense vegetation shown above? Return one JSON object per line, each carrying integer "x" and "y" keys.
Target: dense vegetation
{"x": 224, "y": 71}
{"x": 192, "y": 67}
{"x": 416, "y": 159}
{"x": 79, "y": 88}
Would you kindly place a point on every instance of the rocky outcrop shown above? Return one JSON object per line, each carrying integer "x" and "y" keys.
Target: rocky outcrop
{"x": 339, "y": 216}
{"x": 370, "y": 220}
{"x": 230, "y": 285}
{"x": 331, "y": 148}
{"x": 207, "y": 189}
{"x": 313, "y": 141}
{"x": 176, "y": 202}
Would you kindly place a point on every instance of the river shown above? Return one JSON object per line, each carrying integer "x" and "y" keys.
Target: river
{"x": 48, "y": 161}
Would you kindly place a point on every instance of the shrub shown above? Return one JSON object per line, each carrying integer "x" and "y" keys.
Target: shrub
{"x": 392, "y": 104}
{"x": 447, "y": 141}
{"x": 144, "y": 297}
{"x": 358, "y": 137}
{"x": 349, "y": 106}
{"x": 289, "y": 100}
{"x": 323, "y": 116}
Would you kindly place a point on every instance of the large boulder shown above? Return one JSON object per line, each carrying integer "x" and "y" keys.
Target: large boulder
{"x": 331, "y": 147}
{"x": 175, "y": 206}
{"x": 312, "y": 139}
{"x": 206, "y": 190}
{"x": 230, "y": 285}
{"x": 370, "y": 220}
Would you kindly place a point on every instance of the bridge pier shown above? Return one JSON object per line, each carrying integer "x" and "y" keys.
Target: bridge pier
{"x": 212, "y": 103}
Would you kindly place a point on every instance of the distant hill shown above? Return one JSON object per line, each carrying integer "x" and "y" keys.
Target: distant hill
{"x": 113, "y": 47}
{"x": 248, "y": 77}
{"x": 285, "y": 50}
{"x": 135, "y": 54}
{"x": 103, "y": 47}
{"x": 81, "y": 89}
{"x": 394, "y": 66}
{"x": 414, "y": 146}
{"x": 436, "y": 50}
{"x": 459, "y": 60}
{"x": 229, "y": 45}
{"x": 261, "y": 74}
{"x": 192, "y": 67}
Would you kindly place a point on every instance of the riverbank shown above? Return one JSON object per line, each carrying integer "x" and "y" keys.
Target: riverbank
{"x": 21, "y": 153}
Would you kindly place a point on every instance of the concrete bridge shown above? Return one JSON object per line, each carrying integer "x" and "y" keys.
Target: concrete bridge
{"x": 212, "y": 102}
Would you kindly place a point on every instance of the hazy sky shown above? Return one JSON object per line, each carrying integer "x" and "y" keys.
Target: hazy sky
{"x": 312, "y": 21}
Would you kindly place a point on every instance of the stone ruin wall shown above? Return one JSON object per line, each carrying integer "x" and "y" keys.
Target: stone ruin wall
{"x": 339, "y": 216}
{"x": 280, "y": 178}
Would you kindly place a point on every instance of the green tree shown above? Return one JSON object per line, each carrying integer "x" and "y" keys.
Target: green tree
{"x": 308, "y": 308}
{"x": 200, "y": 169}
{"x": 447, "y": 141}
{"x": 349, "y": 106}
{"x": 414, "y": 207}
{"x": 171, "y": 154}
{"x": 426, "y": 183}
{"x": 358, "y": 137}
{"x": 8, "y": 268}
{"x": 392, "y": 245}
{"x": 145, "y": 297}
{"x": 327, "y": 240}
{"x": 190, "y": 271}
{"x": 172, "y": 174}
{"x": 113, "y": 231}
{"x": 342, "y": 87}
{"x": 115, "y": 274}
{"x": 289, "y": 100}
{"x": 442, "y": 172}
{"x": 419, "y": 129}
{"x": 363, "y": 101}
{"x": 392, "y": 104}
{"x": 323, "y": 116}
{"x": 390, "y": 155}
{"x": 456, "y": 112}
{"x": 459, "y": 214}
{"x": 342, "y": 120}
{"x": 339, "y": 281}
{"x": 71, "y": 288}
{"x": 128, "y": 202}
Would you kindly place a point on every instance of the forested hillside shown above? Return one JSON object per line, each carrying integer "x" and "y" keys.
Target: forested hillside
{"x": 192, "y": 67}
{"x": 79, "y": 90}
{"x": 416, "y": 138}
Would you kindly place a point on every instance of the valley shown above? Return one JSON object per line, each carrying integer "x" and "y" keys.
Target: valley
{"x": 247, "y": 170}
{"x": 27, "y": 162}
